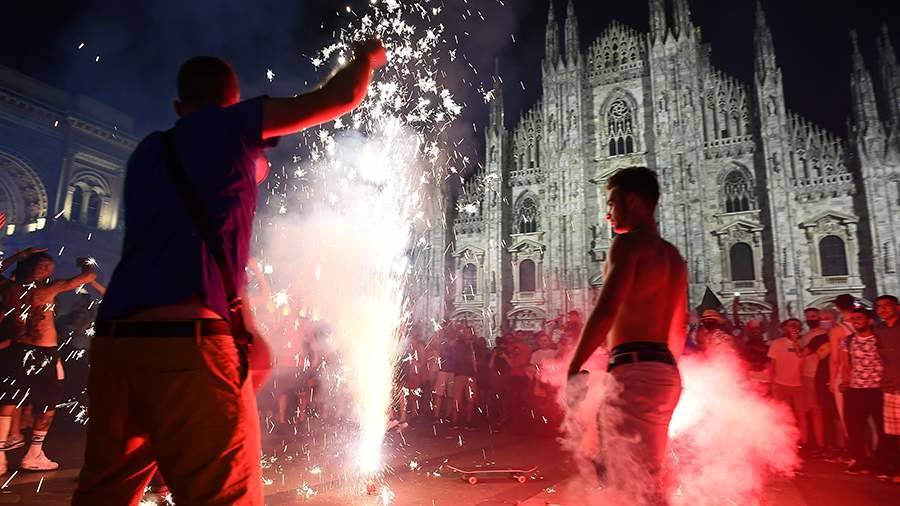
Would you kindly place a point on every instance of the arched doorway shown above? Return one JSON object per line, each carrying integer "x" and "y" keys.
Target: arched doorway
{"x": 23, "y": 197}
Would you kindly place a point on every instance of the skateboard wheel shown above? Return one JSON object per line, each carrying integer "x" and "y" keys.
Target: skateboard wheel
{"x": 520, "y": 479}
{"x": 472, "y": 480}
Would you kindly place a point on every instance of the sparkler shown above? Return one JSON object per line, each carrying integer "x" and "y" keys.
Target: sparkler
{"x": 366, "y": 179}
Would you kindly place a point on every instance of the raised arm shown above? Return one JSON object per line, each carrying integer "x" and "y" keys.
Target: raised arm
{"x": 86, "y": 276}
{"x": 620, "y": 266}
{"x": 343, "y": 91}
{"x": 97, "y": 286}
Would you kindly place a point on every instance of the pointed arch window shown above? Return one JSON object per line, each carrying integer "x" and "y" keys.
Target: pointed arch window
{"x": 738, "y": 192}
{"x": 469, "y": 281}
{"x": 741, "y": 256}
{"x": 527, "y": 216}
{"x": 833, "y": 256}
{"x": 527, "y": 276}
{"x": 620, "y": 128}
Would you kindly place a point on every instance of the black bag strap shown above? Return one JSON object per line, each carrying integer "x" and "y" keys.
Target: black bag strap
{"x": 200, "y": 217}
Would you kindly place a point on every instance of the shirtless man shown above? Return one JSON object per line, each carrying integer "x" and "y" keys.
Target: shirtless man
{"x": 845, "y": 305}
{"x": 168, "y": 385}
{"x": 40, "y": 370}
{"x": 640, "y": 316}
{"x": 11, "y": 329}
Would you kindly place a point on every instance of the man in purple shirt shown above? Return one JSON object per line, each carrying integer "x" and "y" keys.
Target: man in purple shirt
{"x": 167, "y": 387}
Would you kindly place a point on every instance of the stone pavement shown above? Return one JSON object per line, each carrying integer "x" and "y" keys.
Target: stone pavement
{"x": 313, "y": 474}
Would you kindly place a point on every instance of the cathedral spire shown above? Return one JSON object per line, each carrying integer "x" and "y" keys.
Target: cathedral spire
{"x": 889, "y": 74}
{"x": 551, "y": 55}
{"x": 866, "y": 124}
{"x": 573, "y": 47}
{"x": 658, "y": 26}
{"x": 496, "y": 119}
{"x": 681, "y": 14}
{"x": 765, "y": 64}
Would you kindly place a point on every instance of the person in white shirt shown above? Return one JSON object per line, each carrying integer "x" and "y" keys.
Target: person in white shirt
{"x": 786, "y": 381}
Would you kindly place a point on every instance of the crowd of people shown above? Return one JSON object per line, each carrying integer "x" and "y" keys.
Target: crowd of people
{"x": 456, "y": 378}
{"x": 837, "y": 369}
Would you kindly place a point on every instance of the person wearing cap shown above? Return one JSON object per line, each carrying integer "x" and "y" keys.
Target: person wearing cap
{"x": 712, "y": 336}
{"x": 860, "y": 380}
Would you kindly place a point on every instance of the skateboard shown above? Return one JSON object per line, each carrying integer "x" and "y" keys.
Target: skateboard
{"x": 471, "y": 475}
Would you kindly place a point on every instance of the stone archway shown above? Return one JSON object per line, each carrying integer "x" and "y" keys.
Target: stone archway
{"x": 23, "y": 197}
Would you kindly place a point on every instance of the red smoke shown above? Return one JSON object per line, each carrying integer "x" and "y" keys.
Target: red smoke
{"x": 726, "y": 439}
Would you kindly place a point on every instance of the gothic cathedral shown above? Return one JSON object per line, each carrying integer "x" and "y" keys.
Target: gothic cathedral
{"x": 759, "y": 200}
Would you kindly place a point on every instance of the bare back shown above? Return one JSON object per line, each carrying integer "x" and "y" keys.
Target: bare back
{"x": 653, "y": 307}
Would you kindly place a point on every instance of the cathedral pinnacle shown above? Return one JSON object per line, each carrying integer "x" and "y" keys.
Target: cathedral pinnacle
{"x": 865, "y": 118}
{"x": 682, "y": 18}
{"x": 552, "y": 54}
{"x": 658, "y": 26}
{"x": 763, "y": 46}
{"x": 573, "y": 47}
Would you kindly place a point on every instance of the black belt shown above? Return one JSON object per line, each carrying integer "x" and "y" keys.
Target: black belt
{"x": 630, "y": 353}
{"x": 188, "y": 328}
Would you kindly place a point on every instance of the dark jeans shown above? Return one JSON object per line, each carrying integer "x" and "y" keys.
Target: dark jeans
{"x": 830, "y": 417}
{"x": 518, "y": 393}
{"x": 861, "y": 404}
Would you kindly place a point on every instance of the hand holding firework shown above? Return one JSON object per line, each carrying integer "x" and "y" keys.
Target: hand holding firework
{"x": 373, "y": 50}
{"x": 576, "y": 388}
{"x": 343, "y": 91}
{"x": 86, "y": 263}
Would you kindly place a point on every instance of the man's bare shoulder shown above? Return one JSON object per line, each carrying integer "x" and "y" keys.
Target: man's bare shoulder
{"x": 629, "y": 244}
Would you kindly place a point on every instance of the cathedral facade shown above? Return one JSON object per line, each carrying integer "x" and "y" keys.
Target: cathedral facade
{"x": 760, "y": 201}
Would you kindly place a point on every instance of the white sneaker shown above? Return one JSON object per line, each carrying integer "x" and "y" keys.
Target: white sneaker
{"x": 14, "y": 443}
{"x": 39, "y": 463}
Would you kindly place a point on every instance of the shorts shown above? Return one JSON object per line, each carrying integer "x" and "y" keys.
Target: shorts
{"x": 793, "y": 396}
{"x": 443, "y": 384}
{"x": 35, "y": 377}
{"x": 810, "y": 396}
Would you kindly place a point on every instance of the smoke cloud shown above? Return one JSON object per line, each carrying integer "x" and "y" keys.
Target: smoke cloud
{"x": 726, "y": 439}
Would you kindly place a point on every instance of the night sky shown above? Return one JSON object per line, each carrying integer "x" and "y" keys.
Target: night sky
{"x": 140, "y": 45}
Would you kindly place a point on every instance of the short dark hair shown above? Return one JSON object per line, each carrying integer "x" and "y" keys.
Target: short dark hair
{"x": 206, "y": 80}
{"x": 811, "y": 309}
{"x": 862, "y": 310}
{"x": 25, "y": 268}
{"x": 789, "y": 320}
{"x": 640, "y": 181}
{"x": 891, "y": 298}
{"x": 845, "y": 302}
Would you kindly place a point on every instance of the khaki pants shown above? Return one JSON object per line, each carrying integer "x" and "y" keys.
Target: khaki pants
{"x": 178, "y": 404}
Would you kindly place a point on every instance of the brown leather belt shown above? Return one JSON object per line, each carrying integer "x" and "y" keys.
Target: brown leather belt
{"x": 184, "y": 328}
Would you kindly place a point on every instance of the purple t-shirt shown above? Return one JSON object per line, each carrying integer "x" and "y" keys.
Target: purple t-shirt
{"x": 164, "y": 261}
